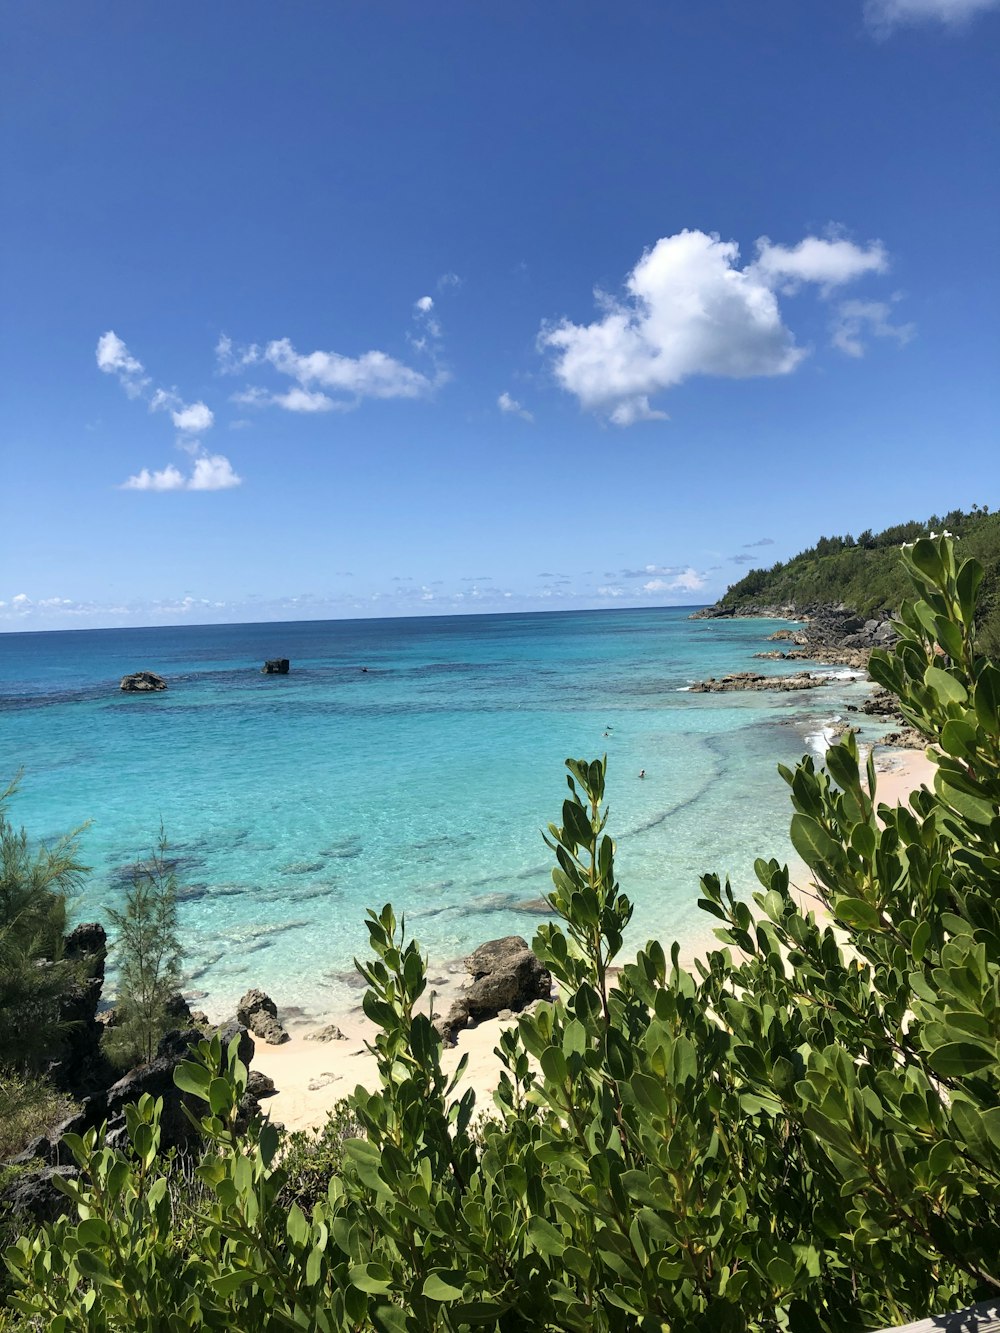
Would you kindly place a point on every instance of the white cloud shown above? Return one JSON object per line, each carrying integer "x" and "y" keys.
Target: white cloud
{"x": 826, "y": 262}
{"x": 512, "y": 407}
{"x": 884, "y": 15}
{"x": 169, "y": 478}
{"x": 211, "y": 472}
{"x": 230, "y": 360}
{"x": 636, "y": 409}
{"x": 292, "y": 400}
{"x": 857, "y": 318}
{"x": 688, "y": 580}
{"x": 20, "y": 599}
{"x": 448, "y": 280}
{"x": 193, "y": 419}
{"x": 114, "y": 358}
{"x": 371, "y": 375}
{"x": 690, "y": 309}
{"x": 425, "y": 305}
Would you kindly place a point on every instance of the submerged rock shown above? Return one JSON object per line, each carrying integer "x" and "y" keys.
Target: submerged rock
{"x": 275, "y": 666}
{"x": 142, "y": 682}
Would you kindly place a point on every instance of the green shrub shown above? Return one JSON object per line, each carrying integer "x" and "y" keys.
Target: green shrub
{"x": 797, "y": 1136}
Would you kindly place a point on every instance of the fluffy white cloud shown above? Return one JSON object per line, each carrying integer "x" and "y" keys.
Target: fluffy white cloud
{"x": 425, "y": 305}
{"x": 884, "y": 15}
{"x": 211, "y": 472}
{"x": 193, "y": 419}
{"x": 858, "y": 318}
{"x": 114, "y": 358}
{"x": 826, "y": 262}
{"x": 690, "y": 309}
{"x": 169, "y": 478}
{"x": 512, "y": 407}
{"x": 190, "y": 418}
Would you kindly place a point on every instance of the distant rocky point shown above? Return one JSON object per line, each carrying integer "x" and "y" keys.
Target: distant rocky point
{"x": 752, "y": 680}
{"x": 142, "y": 682}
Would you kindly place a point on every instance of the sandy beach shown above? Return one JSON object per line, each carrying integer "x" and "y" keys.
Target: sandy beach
{"x": 313, "y": 1076}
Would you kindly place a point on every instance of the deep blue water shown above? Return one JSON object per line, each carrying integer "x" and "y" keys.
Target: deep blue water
{"x": 293, "y": 803}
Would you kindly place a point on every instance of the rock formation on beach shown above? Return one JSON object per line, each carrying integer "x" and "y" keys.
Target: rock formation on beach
{"x": 506, "y": 976}
{"x": 258, "y": 1012}
{"x": 142, "y": 682}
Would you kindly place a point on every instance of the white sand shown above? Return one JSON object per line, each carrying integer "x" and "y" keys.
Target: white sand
{"x": 312, "y": 1076}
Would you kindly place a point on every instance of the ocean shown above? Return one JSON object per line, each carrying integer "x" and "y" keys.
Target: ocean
{"x": 293, "y": 803}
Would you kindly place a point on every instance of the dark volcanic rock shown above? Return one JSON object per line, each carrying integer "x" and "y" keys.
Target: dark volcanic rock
{"x": 33, "y": 1195}
{"x": 82, "y": 1068}
{"x": 142, "y": 682}
{"x": 275, "y": 666}
{"x": 259, "y": 1013}
{"x": 505, "y": 975}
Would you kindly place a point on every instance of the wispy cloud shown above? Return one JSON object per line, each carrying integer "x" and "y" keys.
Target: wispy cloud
{"x": 324, "y": 380}
{"x": 209, "y": 472}
{"x": 690, "y": 309}
{"x": 114, "y": 358}
{"x": 761, "y": 541}
{"x": 882, "y": 16}
{"x": 511, "y": 407}
{"x": 855, "y": 319}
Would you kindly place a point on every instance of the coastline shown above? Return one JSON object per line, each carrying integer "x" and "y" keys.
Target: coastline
{"x": 311, "y": 1076}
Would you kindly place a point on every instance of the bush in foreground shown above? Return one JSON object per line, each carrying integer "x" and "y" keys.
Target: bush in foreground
{"x": 800, "y": 1135}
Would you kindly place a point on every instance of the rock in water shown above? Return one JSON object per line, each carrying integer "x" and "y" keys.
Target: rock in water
{"x": 142, "y": 682}
{"x": 259, "y": 1013}
{"x": 275, "y": 666}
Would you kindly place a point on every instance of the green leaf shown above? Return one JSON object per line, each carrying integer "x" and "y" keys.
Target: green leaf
{"x": 193, "y": 1078}
{"x": 959, "y": 1059}
{"x": 375, "y": 1279}
{"x": 296, "y": 1226}
{"x": 437, "y": 1286}
{"x": 958, "y": 738}
{"x": 858, "y": 913}
{"x": 812, "y": 842}
{"x": 945, "y": 686}
{"x": 978, "y": 809}
{"x": 987, "y": 698}
{"x": 227, "y": 1283}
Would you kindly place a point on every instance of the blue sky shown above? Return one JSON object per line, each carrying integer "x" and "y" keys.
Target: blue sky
{"x": 368, "y": 308}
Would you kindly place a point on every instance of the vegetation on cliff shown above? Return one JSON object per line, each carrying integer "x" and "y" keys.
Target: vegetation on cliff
{"x": 799, "y": 1135}
{"x": 866, "y": 574}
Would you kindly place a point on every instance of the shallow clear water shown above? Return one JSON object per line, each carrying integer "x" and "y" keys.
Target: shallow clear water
{"x": 296, "y": 802}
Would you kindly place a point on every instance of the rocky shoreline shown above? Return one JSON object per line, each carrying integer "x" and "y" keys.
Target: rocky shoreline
{"x": 831, "y": 635}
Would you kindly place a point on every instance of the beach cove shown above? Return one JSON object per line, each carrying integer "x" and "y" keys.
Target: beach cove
{"x": 294, "y": 803}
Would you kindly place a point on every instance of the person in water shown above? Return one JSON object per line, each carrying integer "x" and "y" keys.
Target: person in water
{"x": 642, "y": 772}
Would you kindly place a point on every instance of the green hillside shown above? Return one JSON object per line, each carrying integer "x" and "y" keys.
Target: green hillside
{"x": 865, "y": 572}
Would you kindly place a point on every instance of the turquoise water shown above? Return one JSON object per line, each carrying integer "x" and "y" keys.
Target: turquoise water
{"x": 294, "y": 803}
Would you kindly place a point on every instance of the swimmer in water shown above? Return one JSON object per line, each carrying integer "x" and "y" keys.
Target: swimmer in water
{"x": 642, "y": 772}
